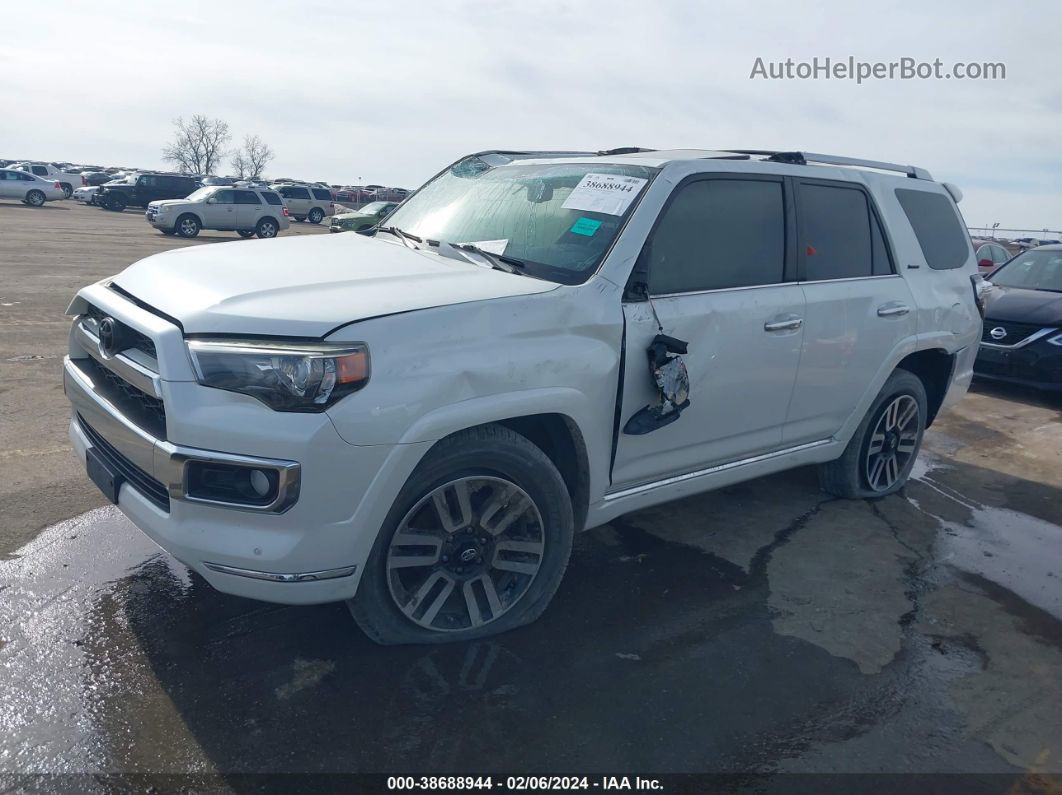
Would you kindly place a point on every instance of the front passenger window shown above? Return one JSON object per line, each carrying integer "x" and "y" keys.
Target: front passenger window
{"x": 717, "y": 234}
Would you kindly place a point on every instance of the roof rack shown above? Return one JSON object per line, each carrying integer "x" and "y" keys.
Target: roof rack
{"x": 803, "y": 158}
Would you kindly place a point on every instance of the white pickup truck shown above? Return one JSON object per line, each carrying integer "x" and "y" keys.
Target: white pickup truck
{"x": 67, "y": 180}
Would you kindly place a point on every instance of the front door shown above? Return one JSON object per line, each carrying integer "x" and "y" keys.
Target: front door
{"x": 221, "y": 210}
{"x": 718, "y": 273}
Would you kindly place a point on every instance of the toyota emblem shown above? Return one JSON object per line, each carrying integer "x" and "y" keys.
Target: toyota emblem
{"x": 997, "y": 333}
{"x": 108, "y": 334}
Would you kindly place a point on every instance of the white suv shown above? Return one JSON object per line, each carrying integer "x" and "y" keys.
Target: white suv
{"x": 249, "y": 212}
{"x": 418, "y": 421}
{"x": 306, "y": 202}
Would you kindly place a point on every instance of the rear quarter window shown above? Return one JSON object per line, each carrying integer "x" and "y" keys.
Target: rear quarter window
{"x": 936, "y": 225}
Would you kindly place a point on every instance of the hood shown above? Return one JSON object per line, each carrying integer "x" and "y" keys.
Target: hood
{"x": 1018, "y": 305}
{"x": 167, "y": 202}
{"x": 307, "y": 286}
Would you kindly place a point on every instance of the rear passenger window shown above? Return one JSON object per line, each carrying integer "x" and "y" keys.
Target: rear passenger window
{"x": 298, "y": 193}
{"x": 936, "y": 225}
{"x": 719, "y": 233}
{"x": 247, "y": 197}
{"x": 272, "y": 198}
{"x": 321, "y": 193}
{"x": 837, "y": 239}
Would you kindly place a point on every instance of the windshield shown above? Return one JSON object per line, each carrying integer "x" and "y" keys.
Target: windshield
{"x": 558, "y": 219}
{"x": 1033, "y": 270}
{"x": 373, "y": 208}
{"x": 201, "y": 194}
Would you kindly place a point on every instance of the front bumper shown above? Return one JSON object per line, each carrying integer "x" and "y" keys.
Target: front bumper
{"x": 1037, "y": 364}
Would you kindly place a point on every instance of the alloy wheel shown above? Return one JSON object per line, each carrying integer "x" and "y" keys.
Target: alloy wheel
{"x": 893, "y": 443}
{"x": 465, "y": 554}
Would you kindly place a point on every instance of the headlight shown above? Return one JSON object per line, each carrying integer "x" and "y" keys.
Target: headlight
{"x": 285, "y": 377}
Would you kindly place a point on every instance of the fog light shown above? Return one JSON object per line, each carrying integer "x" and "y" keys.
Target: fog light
{"x": 260, "y": 482}
{"x": 228, "y": 483}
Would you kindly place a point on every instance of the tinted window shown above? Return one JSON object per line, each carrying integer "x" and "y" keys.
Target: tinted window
{"x": 716, "y": 234}
{"x": 9, "y": 175}
{"x": 271, "y": 197}
{"x": 247, "y": 197}
{"x": 147, "y": 181}
{"x": 40, "y": 171}
{"x": 321, "y": 193}
{"x": 836, "y": 227}
{"x": 295, "y": 193}
{"x": 882, "y": 260}
{"x": 936, "y": 225}
{"x": 225, "y": 197}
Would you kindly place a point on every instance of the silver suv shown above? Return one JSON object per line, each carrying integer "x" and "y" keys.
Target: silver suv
{"x": 419, "y": 420}
{"x": 247, "y": 211}
{"x": 306, "y": 202}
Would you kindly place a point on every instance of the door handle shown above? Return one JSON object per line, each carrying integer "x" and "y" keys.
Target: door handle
{"x": 893, "y": 310}
{"x": 786, "y": 324}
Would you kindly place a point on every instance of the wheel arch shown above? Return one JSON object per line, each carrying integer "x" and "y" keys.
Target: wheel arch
{"x": 192, "y": 213}
{"x": 934, "y": 368}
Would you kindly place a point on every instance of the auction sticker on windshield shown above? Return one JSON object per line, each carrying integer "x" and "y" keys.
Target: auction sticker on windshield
{"x": 611, "y": 194}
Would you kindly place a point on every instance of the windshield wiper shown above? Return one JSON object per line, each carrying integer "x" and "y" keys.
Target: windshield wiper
{"x": 405, "y": 237}
{"x": 499, "y": 262}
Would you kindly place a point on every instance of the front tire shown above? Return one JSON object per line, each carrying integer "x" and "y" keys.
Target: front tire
{"x": 36, "y": 198}
{"x": 187, "y": 226}
{"x": 882, "y": 451}
{"x": 316, "y": 215}
{"x": 475, "y": 544}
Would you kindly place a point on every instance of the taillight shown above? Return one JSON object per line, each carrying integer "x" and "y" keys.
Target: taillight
{"x": 84, "y": 180}
{"x": 57, "y": 186}
{"x": 285, "y": 211}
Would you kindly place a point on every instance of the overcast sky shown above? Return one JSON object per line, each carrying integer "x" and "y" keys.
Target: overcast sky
{"x": 390, "y": 91}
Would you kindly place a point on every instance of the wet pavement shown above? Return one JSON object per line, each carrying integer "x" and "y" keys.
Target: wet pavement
{"x": 761, "y": 629}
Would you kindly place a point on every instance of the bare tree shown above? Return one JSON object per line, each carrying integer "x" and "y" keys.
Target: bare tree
{"x": 251, "y": 159}
{"x": 198, "y": 145}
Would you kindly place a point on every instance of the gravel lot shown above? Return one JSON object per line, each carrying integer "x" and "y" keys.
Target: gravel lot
{"x": 762, "y": 629}
{"x": 46, "y": 255}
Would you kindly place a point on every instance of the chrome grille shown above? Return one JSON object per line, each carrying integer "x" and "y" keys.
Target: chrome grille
{"x": 141, "y": 342}
{"x": 147, "y": 411}
{"x": 1015, "y": 332}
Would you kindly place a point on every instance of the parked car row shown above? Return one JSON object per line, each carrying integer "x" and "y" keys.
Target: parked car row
{"x": 1021, "y": 339}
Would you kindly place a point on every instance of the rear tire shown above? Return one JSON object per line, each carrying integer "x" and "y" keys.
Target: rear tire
{"x": 36, "y": 198}
{"x": 266, "y": 229}
{"x": 883, "y": 449}
{"x": 316, "y": 215}
{"x": 494, "y": 484}
{"x": 68, "y": 191}
{"x": 187, "y": 226}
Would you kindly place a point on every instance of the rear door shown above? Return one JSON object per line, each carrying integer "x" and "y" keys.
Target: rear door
{"x": 248, "y": 209}
{"x": 10, "y": 185}
{"x": 719, "y": 275}
{"x": 860, "y": 311}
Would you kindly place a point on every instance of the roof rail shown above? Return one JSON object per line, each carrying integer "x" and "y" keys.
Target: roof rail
{"x": 803, "y": 158}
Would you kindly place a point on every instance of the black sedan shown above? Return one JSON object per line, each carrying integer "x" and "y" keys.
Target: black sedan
{"x": 1022, "y": 337}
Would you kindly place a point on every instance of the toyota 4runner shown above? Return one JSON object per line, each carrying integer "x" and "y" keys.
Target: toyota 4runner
{"x": 418, "y": 420}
